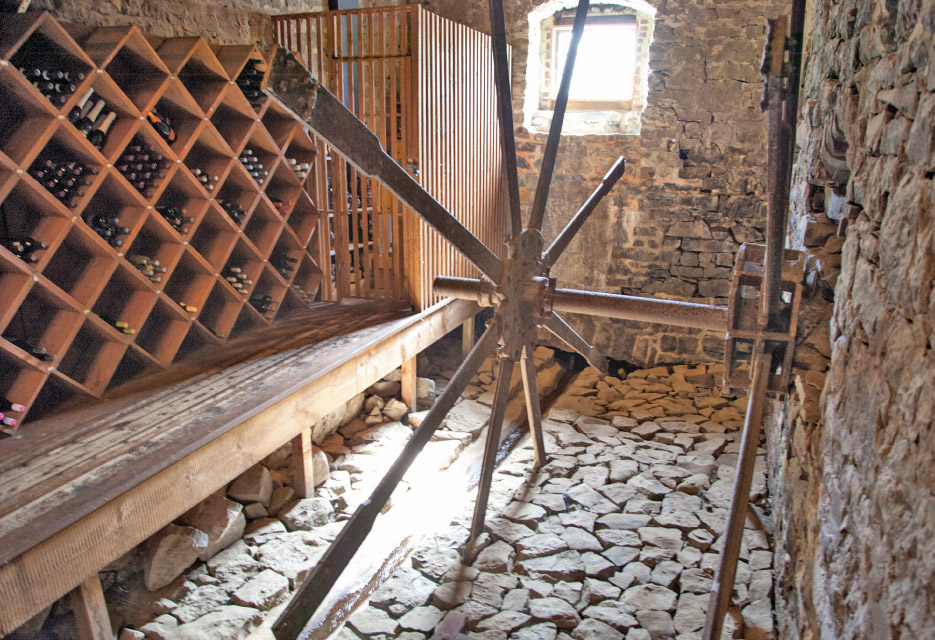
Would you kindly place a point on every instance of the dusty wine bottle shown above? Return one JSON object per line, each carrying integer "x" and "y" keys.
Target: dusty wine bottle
{"x": 98, "y": 136}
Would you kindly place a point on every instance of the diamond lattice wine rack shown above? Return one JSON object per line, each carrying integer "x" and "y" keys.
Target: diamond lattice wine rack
{"x": 152, "y": 201}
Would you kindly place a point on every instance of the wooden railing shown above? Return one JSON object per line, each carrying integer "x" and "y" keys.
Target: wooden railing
{"x": 424, "y": 85}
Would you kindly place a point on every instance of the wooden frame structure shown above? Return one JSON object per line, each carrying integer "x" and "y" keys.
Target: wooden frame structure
{"x": 69, "y": 302}
{"x": 72, "y": 543}
{"x": 424, "y": 85}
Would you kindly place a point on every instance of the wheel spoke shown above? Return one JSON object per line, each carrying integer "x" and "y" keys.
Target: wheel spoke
{"x": 501, "y": 69}
{"x": 323, "y": 577}
{"x": 558, "y": 118}
{"x": 565, "y": 237}
{"x": 561, "y": 330}
{"x": 533, "y": 407}
{"x": 292, "y": 85}
{"x": 497, "y": 411}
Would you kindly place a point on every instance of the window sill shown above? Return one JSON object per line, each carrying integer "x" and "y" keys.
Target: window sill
{"x": 583, "y": 123}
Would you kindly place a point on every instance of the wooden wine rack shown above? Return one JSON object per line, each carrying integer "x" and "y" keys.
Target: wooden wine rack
{"x": 60, "y": 302}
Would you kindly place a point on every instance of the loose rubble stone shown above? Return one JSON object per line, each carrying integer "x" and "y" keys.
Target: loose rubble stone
{"x": 554, "y": 610}
{"x": 657, "y": 623}
{"x": 170, "y": 552}
{"x": 451, "y": 594}
{"x": 229, "y": 622}
{"x": 614, "y": 614}
{"x": 592, "y": 629}
{"x": 503, "y": 621}
{"x": 383, "y": 388}
{"x": 307, "y": 514}
{"x": 543, "y": 631}
{"x": 496, "y": 558}
{"x": 543, "y": 544}
{"x": 221, "y": 519}
{"x": 254, "y": 485}
{"x": 395, "y": 409}
{"x": 370, "y": 621}
{"x": 264, "y": 591}
{"x": 649, "y": 596}
{"x": 421, "y": 618}
{"x": 567, "y": 566}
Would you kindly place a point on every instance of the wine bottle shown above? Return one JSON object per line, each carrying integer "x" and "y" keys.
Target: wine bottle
{"x": 77, "y": 112}
{"x": 84, "y": 125}
{"x": 98, "y": 137}
{"x": 15, "y": 407}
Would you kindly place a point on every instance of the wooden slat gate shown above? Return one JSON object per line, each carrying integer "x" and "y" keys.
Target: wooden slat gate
{"x": 424, "y": 85}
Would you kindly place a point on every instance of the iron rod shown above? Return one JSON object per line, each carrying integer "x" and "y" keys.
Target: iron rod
{"x": 316, "y": 586}
{"x": 563, "y": 331}
{"x": 784, "y": 105}
{"x": 568, "y": 233}
{"x": 533, "y": 409}
{"x": 501, "y": 69}
{"x": 497, "y": 411}
{"x": 608, "y": 305}
{"x": 719, "y": 600}
{"x": 558, "y": 118}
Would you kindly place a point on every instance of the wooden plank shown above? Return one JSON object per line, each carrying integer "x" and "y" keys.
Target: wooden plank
{"x": 91, "y": 619}
{"x": 409, "y": 384}
{"x": 68, "y": 465}
{"x": 121, "y": 523}
{"x": 303, "y": 477}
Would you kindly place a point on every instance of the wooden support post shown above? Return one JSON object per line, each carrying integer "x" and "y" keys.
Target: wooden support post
{"x": 87, "y": 601}
{"x": 303, "y": 477}
{"x": 409, "y": 384}
{"x": 467, "y": 337}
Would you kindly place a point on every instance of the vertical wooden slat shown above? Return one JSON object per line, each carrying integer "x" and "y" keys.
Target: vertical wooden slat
{"x": 424, "y": 85}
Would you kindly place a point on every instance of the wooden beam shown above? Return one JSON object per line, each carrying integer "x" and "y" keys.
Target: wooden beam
{"x": 87, "y": 601}
{"x": 303, "y": 477}
{"x": 409, "y": 384}
{"x": 26, "y": 584}
{"x": 467, "y": 337}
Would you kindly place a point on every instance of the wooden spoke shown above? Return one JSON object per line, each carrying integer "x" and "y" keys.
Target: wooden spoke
{"x": 558, "y": 118}
{"x": 500, "y": 399}
{"x": 533, "y": 408}
{"x": 501, "y": 69}
{"x": 561, "y": 330}
{"x": 313, "y": 591}
{"x": 565, "y": 237}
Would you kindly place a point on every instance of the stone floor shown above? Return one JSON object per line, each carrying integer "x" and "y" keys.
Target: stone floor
{"x": 616, "y": 537}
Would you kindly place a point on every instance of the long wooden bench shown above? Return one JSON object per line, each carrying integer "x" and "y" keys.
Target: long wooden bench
{"x": 80, "y": 489}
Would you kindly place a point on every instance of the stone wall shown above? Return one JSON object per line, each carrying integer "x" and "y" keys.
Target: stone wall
{"x": 853, "y": 480}
{"x": 231, "y": 22}
{"x": 695, "y": 182}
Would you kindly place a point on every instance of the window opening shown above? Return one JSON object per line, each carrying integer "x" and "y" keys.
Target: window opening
{"x": 592, "y": 87}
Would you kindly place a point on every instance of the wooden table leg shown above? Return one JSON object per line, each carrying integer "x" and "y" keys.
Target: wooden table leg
{"x": 410, "y": 384}
{"x": 467, "y": 337}
{"x": 303, "y": 477}
{"x": 87, "y": 601}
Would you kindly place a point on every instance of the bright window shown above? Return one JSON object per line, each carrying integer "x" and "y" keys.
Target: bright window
{"x": 604, "y": 75}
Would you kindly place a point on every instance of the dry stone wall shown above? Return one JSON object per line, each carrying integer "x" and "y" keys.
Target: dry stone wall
{"x": 853, "y": 479}
{"x": 695, "y": 182}
{"x": 230, "y": 22}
